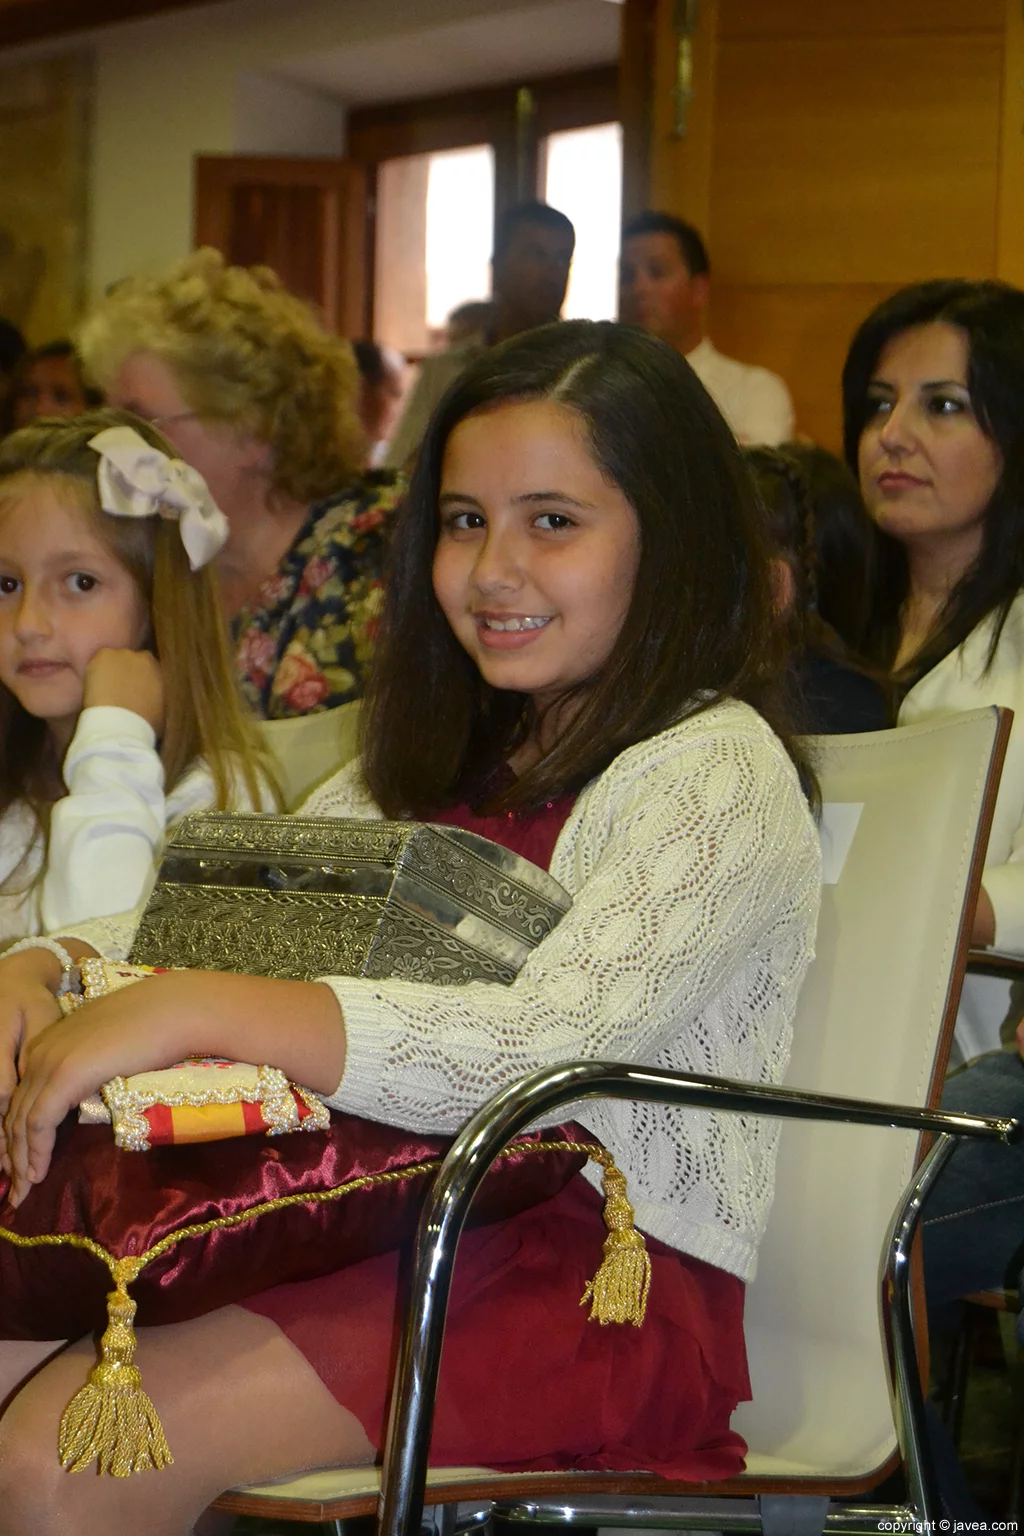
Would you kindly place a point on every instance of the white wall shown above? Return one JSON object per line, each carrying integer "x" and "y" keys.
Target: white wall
{"x": 181, "y": 84}
{"x": 278, "y": 117}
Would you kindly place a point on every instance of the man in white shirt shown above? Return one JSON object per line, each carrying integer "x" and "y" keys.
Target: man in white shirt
{"x": 665, "y": 288}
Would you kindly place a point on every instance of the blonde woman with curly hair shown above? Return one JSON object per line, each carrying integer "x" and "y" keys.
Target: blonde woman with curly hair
{"x": 261, "y": 400}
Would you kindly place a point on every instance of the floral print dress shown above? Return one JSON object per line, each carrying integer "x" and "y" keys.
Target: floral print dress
{"x": 305, "y": 641}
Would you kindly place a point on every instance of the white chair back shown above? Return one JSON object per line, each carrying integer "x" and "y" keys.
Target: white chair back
{"x": 307, "y": 748}
{"x": 874, "y": 1021}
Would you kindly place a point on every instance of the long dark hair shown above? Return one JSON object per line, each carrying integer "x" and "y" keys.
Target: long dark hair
{"x": 699, "y": 626}
{"x": 991, "y": 315}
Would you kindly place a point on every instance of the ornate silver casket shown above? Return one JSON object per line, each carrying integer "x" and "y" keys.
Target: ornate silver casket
{"x": 301, "y": 897}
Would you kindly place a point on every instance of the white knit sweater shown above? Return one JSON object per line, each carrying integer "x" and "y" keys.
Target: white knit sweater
{"x": 694, "y": 867}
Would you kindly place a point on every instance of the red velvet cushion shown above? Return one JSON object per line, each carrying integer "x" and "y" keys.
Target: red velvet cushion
{"x": 128, "y": 1201}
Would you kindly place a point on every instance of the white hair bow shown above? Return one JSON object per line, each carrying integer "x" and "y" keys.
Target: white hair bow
{"x": 136, "y": 480}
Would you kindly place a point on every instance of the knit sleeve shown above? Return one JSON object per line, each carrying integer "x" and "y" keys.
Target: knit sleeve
{"x": 694, "y": 869}
{"x": 344, "y": 795}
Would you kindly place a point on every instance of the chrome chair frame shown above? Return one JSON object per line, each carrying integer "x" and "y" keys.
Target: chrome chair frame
{"x": 536, "y": 1097}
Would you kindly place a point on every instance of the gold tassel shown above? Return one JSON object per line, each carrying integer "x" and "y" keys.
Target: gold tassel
{"x": 618, "y": 1292}
{"x": 111, "y": 1420}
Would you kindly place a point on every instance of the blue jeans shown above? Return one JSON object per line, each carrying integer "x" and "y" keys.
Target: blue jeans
{"x": 973, "y": 1221}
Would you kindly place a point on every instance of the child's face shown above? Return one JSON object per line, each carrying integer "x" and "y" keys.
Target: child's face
{"x": 63, "y": 597}
{"x": 51, "y": 387}
{"x": 536, "y": 552}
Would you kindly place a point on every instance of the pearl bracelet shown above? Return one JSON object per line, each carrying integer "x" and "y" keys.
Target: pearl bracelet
{"x": 67, "y": 965}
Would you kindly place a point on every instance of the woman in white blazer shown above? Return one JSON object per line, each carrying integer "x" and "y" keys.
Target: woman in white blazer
{"x": 933, "y": 393}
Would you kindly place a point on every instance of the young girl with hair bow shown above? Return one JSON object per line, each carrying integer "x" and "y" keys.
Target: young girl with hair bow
{"x": 119, "y": 711}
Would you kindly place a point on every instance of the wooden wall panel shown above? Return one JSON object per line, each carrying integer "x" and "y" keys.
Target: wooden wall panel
{"x": 835, "y": 160}
{"x": 681, "y": 167}
{"x": 857, "y": 18}
{"x": 1010, "y": 236}
{"x": 801, "y": 332}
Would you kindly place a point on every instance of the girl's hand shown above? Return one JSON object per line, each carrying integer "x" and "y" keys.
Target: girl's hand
{"x": 134, "y": 1029}
{"x": 128, "y": 679}
{"x": 27, "y": 1006}
{"x": 294, "y": 1025}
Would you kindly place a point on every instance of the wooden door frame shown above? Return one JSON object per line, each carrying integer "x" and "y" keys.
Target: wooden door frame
{"x": 456, "y": 119}
{"x": 486, "y": 115}
{"x": 636, "y": 101}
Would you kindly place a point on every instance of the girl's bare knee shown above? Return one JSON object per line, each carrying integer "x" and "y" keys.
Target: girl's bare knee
{"x": 36, "y": 1493}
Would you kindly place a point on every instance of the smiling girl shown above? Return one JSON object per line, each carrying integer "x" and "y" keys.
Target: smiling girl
{"x": 117, "y": 709}
{"x": 576, "y": 659}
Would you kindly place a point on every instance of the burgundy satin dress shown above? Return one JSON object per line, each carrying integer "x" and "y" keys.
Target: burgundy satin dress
{"x": 527, "y": 1383}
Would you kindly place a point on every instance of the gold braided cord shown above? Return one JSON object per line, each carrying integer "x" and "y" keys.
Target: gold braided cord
{"x": 58, "y": 1239}
{"x": 314, "y": 1197}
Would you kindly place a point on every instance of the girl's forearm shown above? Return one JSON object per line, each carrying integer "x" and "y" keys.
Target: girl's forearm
{"x": 294, "y": 1025}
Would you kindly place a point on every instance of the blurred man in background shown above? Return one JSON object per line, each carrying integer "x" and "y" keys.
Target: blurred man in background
{"x": 533, "y": 248}
{"x": 665, "y": 284}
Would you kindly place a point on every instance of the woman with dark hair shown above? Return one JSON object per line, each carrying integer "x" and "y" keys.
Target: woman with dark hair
{"x": 577, "y": 659}
{"x": 933, "y": 393}
{"x": 939, "y": 451}
{"x": 824, "y": 546}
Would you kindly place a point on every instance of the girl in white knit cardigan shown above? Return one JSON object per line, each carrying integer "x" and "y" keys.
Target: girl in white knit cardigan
{"x": 576, "y": 658}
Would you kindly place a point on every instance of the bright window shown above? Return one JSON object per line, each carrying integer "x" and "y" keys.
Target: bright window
{"x": 460, "y": 229}
{"x": 583, "y": 177}
{"x": 435, "y": 228}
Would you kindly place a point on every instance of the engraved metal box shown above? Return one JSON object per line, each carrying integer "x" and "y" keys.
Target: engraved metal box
{"x": 301, "y": 897}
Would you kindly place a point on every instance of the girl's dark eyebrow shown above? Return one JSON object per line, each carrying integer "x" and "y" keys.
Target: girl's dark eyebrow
{"x": 527, "y": 498}
{"x": 448, "y": 496}
{"x": 531, "y": 496}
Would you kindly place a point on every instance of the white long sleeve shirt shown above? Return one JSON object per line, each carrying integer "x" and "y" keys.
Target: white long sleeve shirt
{"x": 754, "y": 402}
{"x": 695, "y": 870}
{"x": 106, "y": 834}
